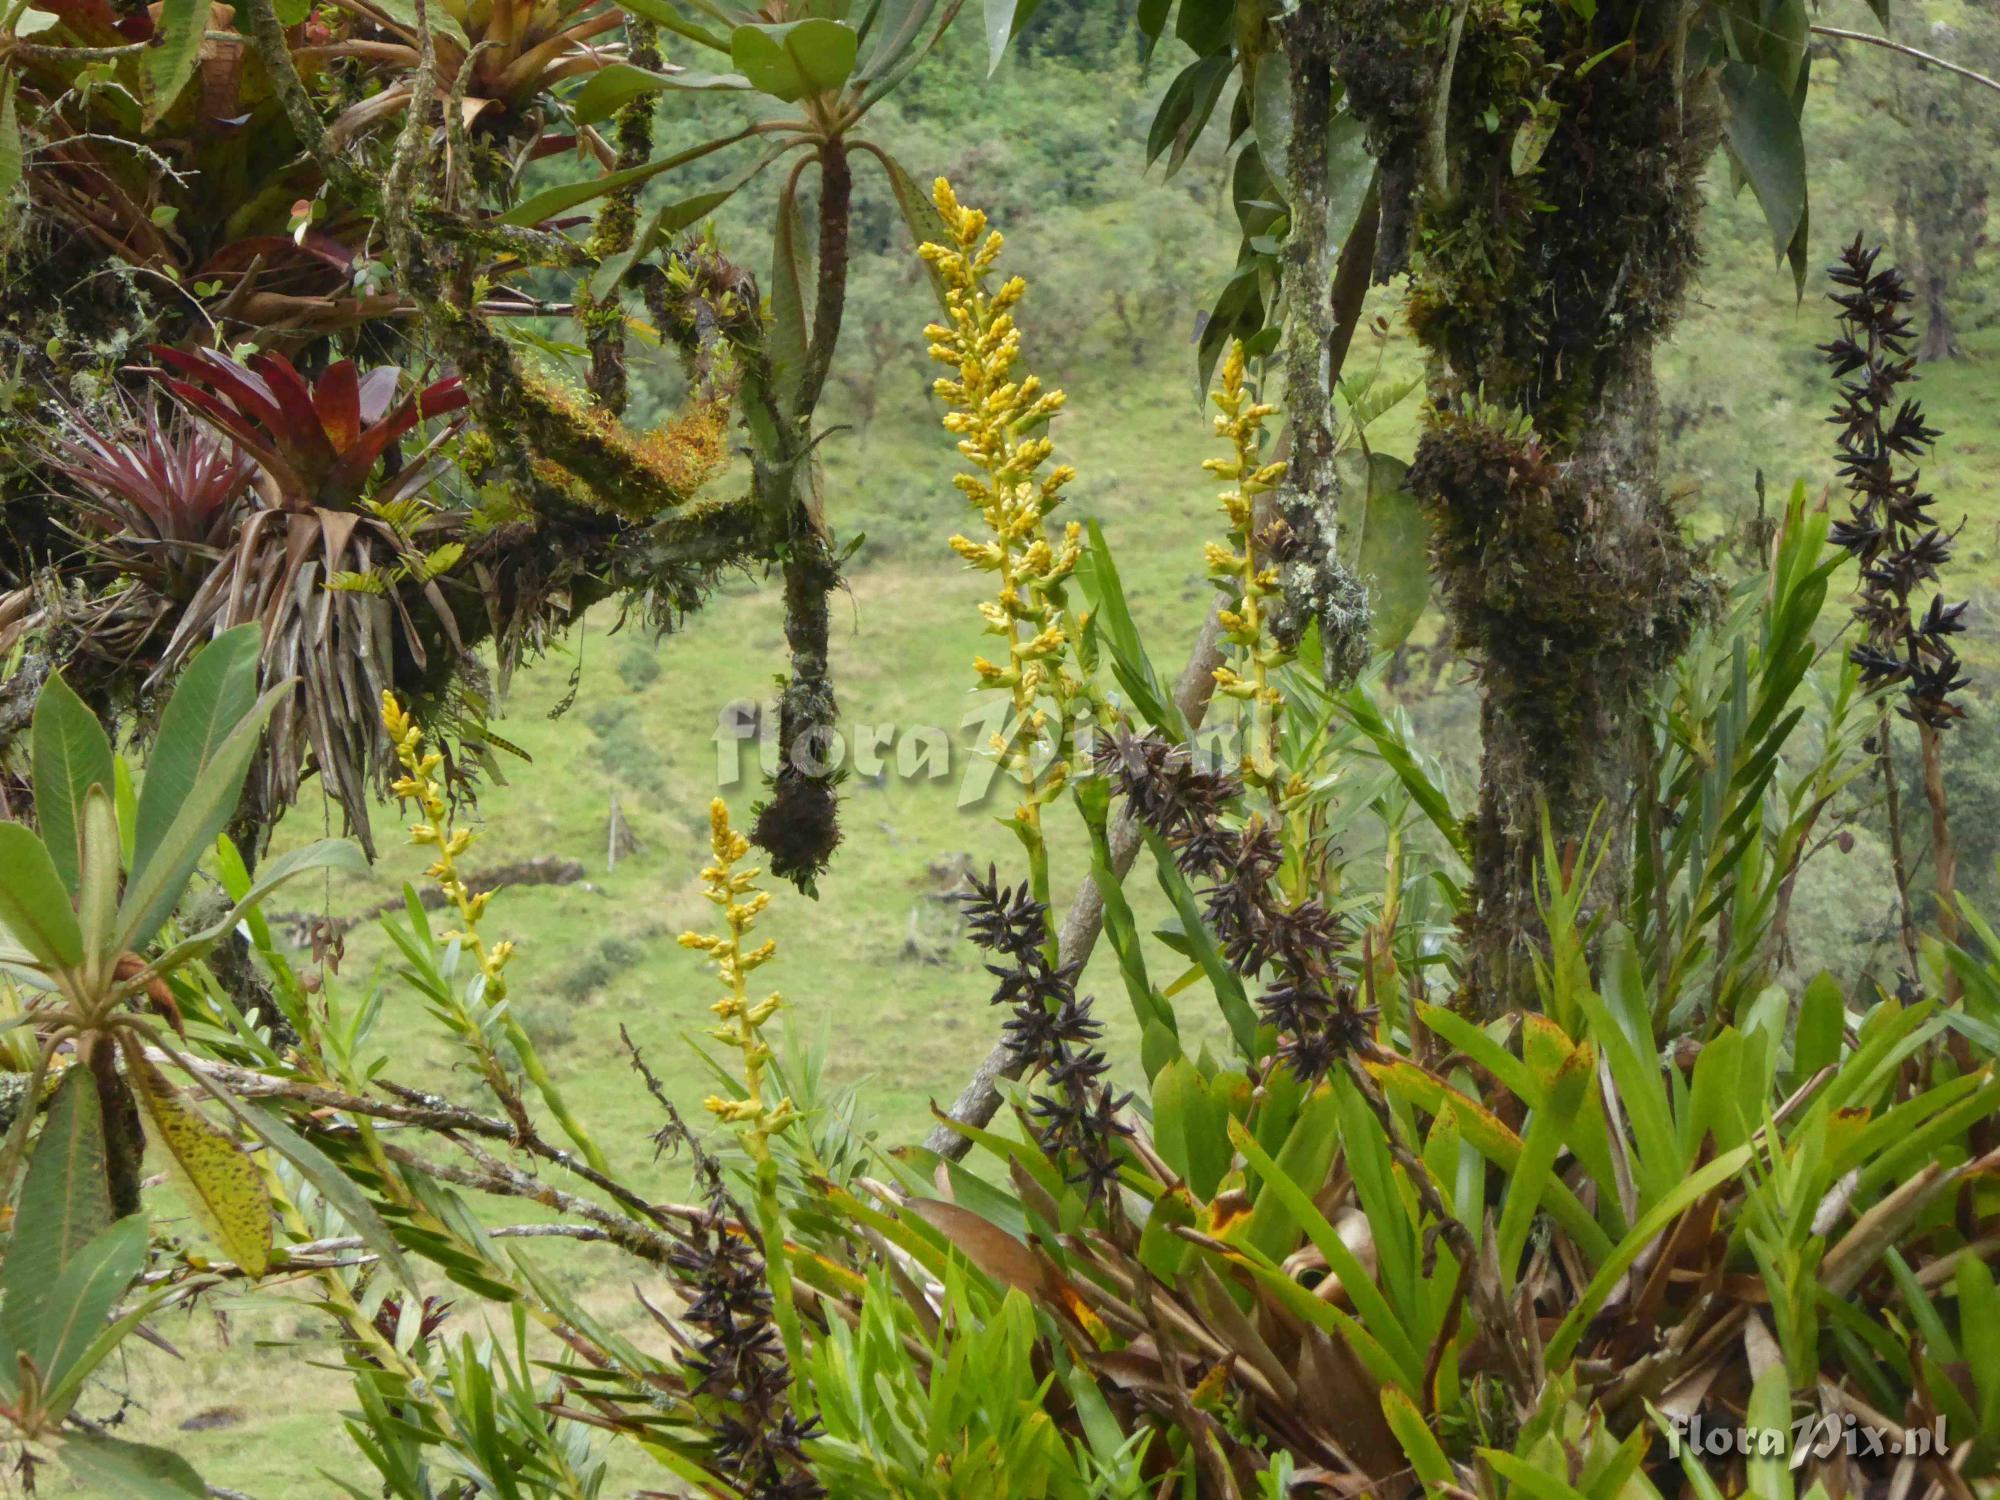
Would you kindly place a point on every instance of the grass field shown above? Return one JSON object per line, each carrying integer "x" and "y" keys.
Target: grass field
{"x": 873, "y": 970}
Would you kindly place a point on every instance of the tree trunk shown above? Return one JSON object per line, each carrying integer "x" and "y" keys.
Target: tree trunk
{"x": 1940, "y": 340}
{"x": 1561, "y": 689}
{"x": 1540, "y": 284}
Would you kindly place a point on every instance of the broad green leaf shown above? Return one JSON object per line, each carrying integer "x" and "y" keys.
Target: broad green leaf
{"x": 1387, "y": 542}
{"x": 155, "y": 889}
{"x": 664, "y": 14}
{"x": 1004, "y": 20}
{"x": 797, "y": 58}
{"x": 69, "y": 1314}
{"x": 71, "y": 754}
{"x": 1763, "y": 131}
{"x": 221, "y": 1182}
{"x": 568, "y": 195}
{"x": 118, "y": 1470}
{"x": 1271, "y": 117}
{"x": 612, "y": 87}
{"x": 178, "y": 32}
{"x": 34, "y": 906}
{"x": 218, "y": 688}
{"x": 1190, "y": 1127}
{"x": 1205, "y": 24}
{"x": 64, "y": 1205}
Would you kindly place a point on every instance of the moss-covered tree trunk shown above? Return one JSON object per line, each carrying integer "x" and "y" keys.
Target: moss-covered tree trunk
{"x": 1547, "y": 216}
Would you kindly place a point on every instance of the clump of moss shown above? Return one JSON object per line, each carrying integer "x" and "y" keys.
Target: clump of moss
{"x": 1386, "y": 53}
{"x": 1528, "y": 283}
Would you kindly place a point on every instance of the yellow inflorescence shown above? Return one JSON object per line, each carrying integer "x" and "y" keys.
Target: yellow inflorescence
{"x": 1252, "y": 581}
{"x": 741, "y": 1019}
{"x": 999, "y": 422}
{"x": 421, "y": 784}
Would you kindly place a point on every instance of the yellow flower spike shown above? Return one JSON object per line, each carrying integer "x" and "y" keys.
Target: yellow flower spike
{"x": 723, "y": 884}
{"x": 1252, "y": 580}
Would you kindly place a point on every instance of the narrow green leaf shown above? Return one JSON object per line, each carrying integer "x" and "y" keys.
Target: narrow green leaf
{"x": 1228, "y": 986}
{"x": 1651, "y": 1225}
{"x": 1420, "y": 1445}
{"x": 321, "y": 854}
{"x": 11, "y": 154}
{"x": 672, "y": 217}
{"x": 1297, "y": 1200}
{"x": 71, "y": 754}
{"x": 1770, "y": 1411}
{"x": 568, "y": 195}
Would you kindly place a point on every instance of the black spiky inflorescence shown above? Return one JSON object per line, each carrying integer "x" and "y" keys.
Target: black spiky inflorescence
{"x": 1309, "y": 1002}
{"x": 1890, "y": 531}
{"x": 738, "y": 1360}
{"x": 1051, "y": 1032}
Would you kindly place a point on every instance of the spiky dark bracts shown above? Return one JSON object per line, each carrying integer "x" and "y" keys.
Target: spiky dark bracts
{"x": 1052, "y": 1031}
{"x": 1890, "y": 532}
{"x": 1310, "y": 1004}
{"x": 737, "y": 1362}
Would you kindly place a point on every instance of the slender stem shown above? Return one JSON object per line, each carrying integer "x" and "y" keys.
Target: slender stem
{"x": 1890, "y": 45}
{"x": 1944, "y": 852}
{"x": 1885, "y": 763}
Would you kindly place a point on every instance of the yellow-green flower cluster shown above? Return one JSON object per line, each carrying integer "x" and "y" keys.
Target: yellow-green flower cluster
{"x": 420, "y": 783}
{"x": 1000, "y": 422}
{"x": 1251, "y": 581}
{"x": 741, "y": 1019}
